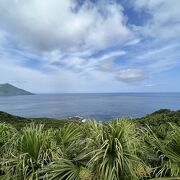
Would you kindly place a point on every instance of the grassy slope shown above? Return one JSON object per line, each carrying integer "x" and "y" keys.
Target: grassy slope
{"x": 159, "y": 119}
{"x": 20, "y": 122}
{"x": 159, "y": 122}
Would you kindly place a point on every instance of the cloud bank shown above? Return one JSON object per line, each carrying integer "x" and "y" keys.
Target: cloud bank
{"x": 50, "y": 25}
{"x": 84, "y": 46}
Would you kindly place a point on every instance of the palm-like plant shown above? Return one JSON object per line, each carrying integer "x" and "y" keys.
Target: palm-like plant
{"x": 89, "y": 151}
{"x": 66, "y": 139}
{"x": 114, "y": 150}
{"x": 169, "y": 152}
{"x": 70, "y": 161}
{"x": 6, "y": 134}
{"x": 31, "y": 151}
{"x": 65, "y": 169}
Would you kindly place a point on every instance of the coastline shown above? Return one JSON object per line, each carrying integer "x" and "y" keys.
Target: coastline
{"x": 162, "y": 116}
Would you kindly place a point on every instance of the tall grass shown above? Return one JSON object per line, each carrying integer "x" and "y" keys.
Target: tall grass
{"x": 118, "y": 150}
{"x": 168, "y": 152}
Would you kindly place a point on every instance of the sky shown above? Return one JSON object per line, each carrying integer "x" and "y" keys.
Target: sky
{"x": 81, "y": 46}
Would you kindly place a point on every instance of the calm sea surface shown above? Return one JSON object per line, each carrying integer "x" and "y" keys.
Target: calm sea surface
{"x": 104, "y": 106}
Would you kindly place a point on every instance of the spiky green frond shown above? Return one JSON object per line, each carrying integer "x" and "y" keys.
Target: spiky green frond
{"x": 169, "y": 152}
{"x": 29, "y": 152}
{"x": 114, "y": 151}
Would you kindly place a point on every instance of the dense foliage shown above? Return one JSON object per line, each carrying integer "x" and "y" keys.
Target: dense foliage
{"x": 145, "y": 148}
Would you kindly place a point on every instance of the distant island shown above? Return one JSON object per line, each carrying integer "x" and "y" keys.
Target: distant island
{"x": 10, "y": 90}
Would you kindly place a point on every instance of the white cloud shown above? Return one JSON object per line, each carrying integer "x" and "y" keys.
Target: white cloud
{"x": 3, "y": 39}
{"x": 156, "y": 59}
{"x": 60, "y": 80}
{"x": 106, "y": 60}
{"x": 78, "y": 61}
{"x": 130, "y": 75}
{"x": 40, "y": 82}
{"x": 48, "y": 25}
{"x": 149, "y": 85}
{"x": 133, "y": 42}
{"x": 106, "y": 65}
{"x": 165, "y": 18}
{"x": 111, "y": 55}
{"x": 77, "y": 50}
{"x": 158, "y": 51}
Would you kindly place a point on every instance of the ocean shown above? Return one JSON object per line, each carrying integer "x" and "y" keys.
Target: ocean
{"x": 99, "y": 106}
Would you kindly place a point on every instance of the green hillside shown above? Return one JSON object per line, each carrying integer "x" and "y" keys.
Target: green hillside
{"x": 122, "y": 149}
{"x": 20, "y": 122}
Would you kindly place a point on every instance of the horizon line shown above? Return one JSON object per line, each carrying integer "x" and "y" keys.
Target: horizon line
{"x": 106, "y": 92}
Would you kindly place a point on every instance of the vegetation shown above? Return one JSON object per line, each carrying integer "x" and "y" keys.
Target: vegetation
{"x": 144, "y": 148}
{"x": 20, "y": 122}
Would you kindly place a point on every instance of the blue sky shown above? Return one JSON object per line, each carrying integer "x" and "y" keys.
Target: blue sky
{"x": 54, "y": 46}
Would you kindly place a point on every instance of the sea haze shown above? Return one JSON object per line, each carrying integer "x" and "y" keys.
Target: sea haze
{"x": 101, "y": 106}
